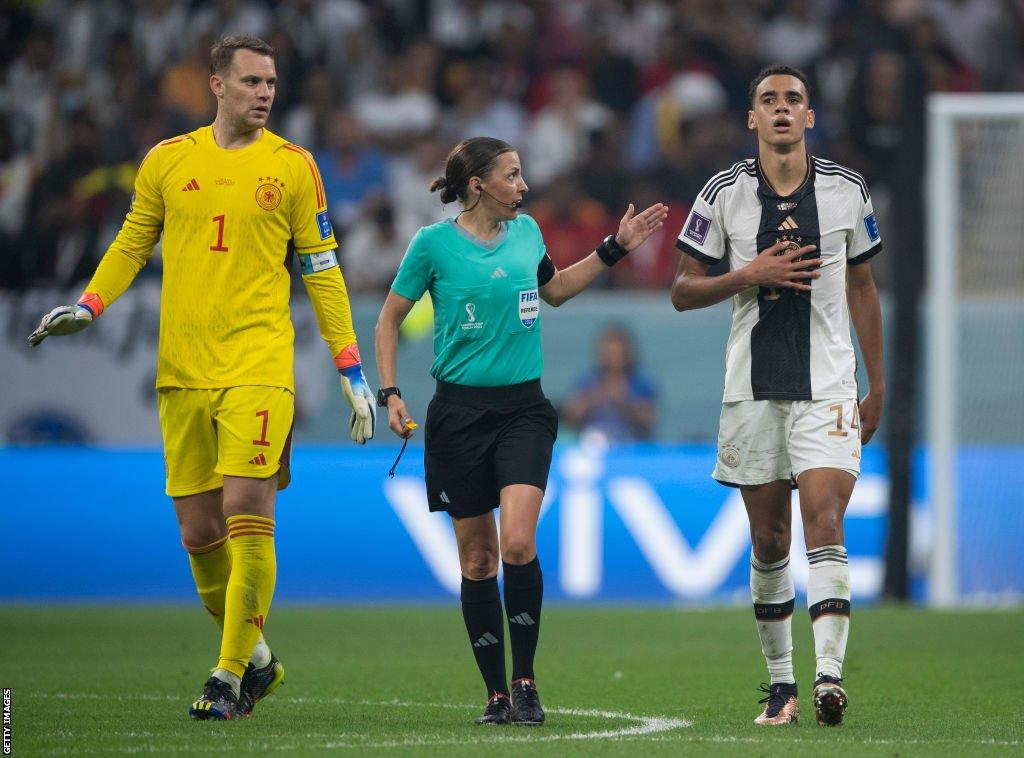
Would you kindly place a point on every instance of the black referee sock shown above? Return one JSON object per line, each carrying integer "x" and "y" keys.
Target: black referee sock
{"x": 524, "y": 593}
{"x": 481, "y": 608}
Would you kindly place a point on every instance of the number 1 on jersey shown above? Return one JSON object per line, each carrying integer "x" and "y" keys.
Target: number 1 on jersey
{"x": 219, "y": 247}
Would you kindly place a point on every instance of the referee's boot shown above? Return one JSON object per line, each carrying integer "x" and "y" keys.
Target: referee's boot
{"x": 498, "y": 711}
{"x": 526, "y": 707}
{"x": 830, "y": 700}
{"x": 780, "y": 705}
{"x": 217, "y": 703}
{"x": 258, "y": 683}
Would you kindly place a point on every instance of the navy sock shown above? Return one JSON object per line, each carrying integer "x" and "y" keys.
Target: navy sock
{"x": 481, "y": 609}
{"x": 524, "y": 593}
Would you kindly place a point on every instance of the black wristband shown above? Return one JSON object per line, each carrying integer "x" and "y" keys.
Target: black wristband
{"x": 610, "y": 251}
{"x": 384, "y": 393}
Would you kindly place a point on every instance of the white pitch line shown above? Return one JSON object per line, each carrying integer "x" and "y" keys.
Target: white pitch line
{"x": 644, "y": 726}
{"x": 649, "y": 729}
{"x": 860, "y": 741}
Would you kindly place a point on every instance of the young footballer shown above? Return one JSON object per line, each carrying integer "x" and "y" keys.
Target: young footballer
{"x": 228, "y": 199}
{"x": 798, "y": 231}
{"x": 489, "y": 429}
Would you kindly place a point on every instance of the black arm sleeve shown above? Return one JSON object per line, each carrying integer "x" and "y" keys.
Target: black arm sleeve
{"x": 545, "y": 270}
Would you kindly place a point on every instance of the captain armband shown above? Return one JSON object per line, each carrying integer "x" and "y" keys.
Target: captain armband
{"x": 313, "y": 263}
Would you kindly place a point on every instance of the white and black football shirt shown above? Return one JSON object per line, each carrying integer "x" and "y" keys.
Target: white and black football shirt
{"x": 786, "y": 344}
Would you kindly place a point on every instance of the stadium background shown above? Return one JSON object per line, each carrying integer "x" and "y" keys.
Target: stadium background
{"x": 609, "y": 102}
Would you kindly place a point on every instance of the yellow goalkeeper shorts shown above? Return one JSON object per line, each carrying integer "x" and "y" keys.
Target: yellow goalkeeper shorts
{"x": 237, "y": 431}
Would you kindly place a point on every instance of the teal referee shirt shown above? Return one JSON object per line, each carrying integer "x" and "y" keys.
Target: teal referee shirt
{"x": 486, "y": 304}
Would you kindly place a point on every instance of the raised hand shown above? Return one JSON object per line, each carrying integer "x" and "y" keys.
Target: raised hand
{"x": 780, "y": 266}
{"x": 634, "y": 230}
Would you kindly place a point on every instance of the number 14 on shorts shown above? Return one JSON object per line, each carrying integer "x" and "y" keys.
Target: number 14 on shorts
{"x": 841, "y": 410}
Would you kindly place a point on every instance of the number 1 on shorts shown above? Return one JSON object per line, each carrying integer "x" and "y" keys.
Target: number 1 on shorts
{"x": 263, "y": 441}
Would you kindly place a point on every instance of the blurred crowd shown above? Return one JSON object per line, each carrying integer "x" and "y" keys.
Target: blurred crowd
{"x": 608, "y": 101}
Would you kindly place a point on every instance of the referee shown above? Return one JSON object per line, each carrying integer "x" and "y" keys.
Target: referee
{"x": 489, "y": 428}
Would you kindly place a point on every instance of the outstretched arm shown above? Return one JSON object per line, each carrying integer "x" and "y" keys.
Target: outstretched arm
{"x": 125, "y": 257}
{"x": 866, "y": 313}
{"x": 633, "y": 231}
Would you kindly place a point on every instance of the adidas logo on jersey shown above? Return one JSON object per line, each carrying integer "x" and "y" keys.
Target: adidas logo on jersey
{"x": 256, "y": 621}
{"x": 259, "y": 460}
{"x": 788, "y": 224}
{"x": 444, "y": 498}
{"x": 192, "y": 186}
{"x": 499, "y": 273}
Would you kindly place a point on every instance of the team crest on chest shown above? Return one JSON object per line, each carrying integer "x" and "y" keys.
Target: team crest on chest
{"x": 269, "y": 192}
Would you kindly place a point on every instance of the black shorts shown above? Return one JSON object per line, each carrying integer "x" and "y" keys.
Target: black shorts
{"x": 480, "y": 439}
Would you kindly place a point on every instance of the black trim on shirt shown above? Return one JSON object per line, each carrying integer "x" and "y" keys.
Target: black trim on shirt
{"x": 693, "y": 252}
{"x": 865, "y": 256}
{"x": 712, "y": 192}
{"x": 828, "y": 168}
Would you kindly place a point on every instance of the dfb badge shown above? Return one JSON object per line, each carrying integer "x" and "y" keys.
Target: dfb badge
{"x": 268, "y": 193}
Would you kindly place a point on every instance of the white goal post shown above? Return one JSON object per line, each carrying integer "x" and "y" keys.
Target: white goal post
{"x": 951, "y": 119}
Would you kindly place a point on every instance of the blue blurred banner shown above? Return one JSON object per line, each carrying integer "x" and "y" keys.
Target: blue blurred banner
{"x": 639, "y": 523}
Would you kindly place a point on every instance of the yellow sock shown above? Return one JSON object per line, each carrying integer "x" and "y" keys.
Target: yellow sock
{"x": 211, "y": 567}
{"x": 249, "y": 590}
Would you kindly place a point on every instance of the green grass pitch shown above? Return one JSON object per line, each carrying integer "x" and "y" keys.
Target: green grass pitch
{"x": 615, "y": 681}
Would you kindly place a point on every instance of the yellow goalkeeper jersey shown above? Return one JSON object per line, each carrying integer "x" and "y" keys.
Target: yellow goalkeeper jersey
{"x": 227, "y": 218}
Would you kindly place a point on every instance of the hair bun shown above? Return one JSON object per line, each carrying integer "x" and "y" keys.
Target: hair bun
{"x": 448, "y": 193}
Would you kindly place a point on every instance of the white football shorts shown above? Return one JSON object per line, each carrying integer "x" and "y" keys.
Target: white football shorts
{"x": 761, "y": 441}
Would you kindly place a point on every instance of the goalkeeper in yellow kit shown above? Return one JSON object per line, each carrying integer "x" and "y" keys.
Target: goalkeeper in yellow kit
{"x": 229, "y": 199}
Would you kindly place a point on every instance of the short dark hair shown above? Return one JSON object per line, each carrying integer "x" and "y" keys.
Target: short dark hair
{"x": 475, "y": 156}
{"x": 223, "y": 52}
{"x": 776, "y": 69}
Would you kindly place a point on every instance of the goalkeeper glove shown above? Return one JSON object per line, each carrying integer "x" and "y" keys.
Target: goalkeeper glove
{"x": 357, "y": 393}
{"x": 62, "y": 320}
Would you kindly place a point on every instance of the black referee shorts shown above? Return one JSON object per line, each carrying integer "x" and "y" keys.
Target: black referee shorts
{"x": 480, "y": 439}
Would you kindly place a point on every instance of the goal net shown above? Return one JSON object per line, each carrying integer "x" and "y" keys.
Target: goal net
{"x": 975, "y": 356}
